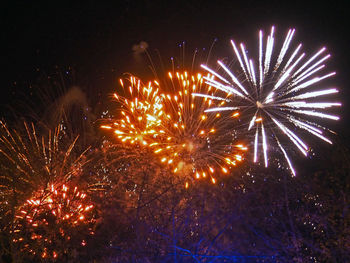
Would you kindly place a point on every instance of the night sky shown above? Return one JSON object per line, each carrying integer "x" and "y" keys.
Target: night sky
{"x": 95, "y": 40}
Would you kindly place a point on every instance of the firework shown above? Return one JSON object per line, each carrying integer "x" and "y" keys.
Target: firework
{"x": 278, "y": 94}
{"x": 140, "y": 115}
{"x": 176, "y": 129}
{"x": 31, "y": 161}
{"x": 44, "y": 225}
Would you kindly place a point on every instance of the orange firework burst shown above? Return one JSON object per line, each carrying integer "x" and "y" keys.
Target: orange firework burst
{"x": 176, "y": 129}
{"x": 29, "y": 161}
{"x": 45, "y": 224}
{"x": 36, "y": 204}
{"x": 141, "y": 115}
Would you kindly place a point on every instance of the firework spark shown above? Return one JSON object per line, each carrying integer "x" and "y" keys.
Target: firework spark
{"x": 175, "y": 128}
{"x": 44, "y": 224}
{"x": 278, "y": 93}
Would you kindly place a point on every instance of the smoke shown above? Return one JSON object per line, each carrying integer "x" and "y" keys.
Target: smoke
{"x": 140, "y": 48}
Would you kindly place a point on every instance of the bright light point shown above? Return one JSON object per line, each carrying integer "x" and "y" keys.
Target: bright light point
{"x": 259, "y": 104}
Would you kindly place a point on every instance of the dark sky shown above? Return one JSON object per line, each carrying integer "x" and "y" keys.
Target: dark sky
{"x": 96, "y": 39}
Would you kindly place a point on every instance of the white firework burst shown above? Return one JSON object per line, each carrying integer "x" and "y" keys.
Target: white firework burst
{"x": 278, "y": 93}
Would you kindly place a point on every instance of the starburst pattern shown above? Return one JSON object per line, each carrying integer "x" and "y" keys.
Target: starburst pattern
{"x": 30, "y": 160}
{"x": 173, "y": 125}
{"x": 44, "y": 224}
{"x": 278, "y": 93}
{"x": 140, "y": 113}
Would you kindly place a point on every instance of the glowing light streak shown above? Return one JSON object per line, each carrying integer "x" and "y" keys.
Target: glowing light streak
{"x": 234, "y": 79}
{"x": 221, "y": 109}
{"x": 209, "y": 97}
{"x": 256, "y": 140}
{"x": 317, "y": 114}
{"x": 264, "y": 144}
{"x": 287, "y": 158}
